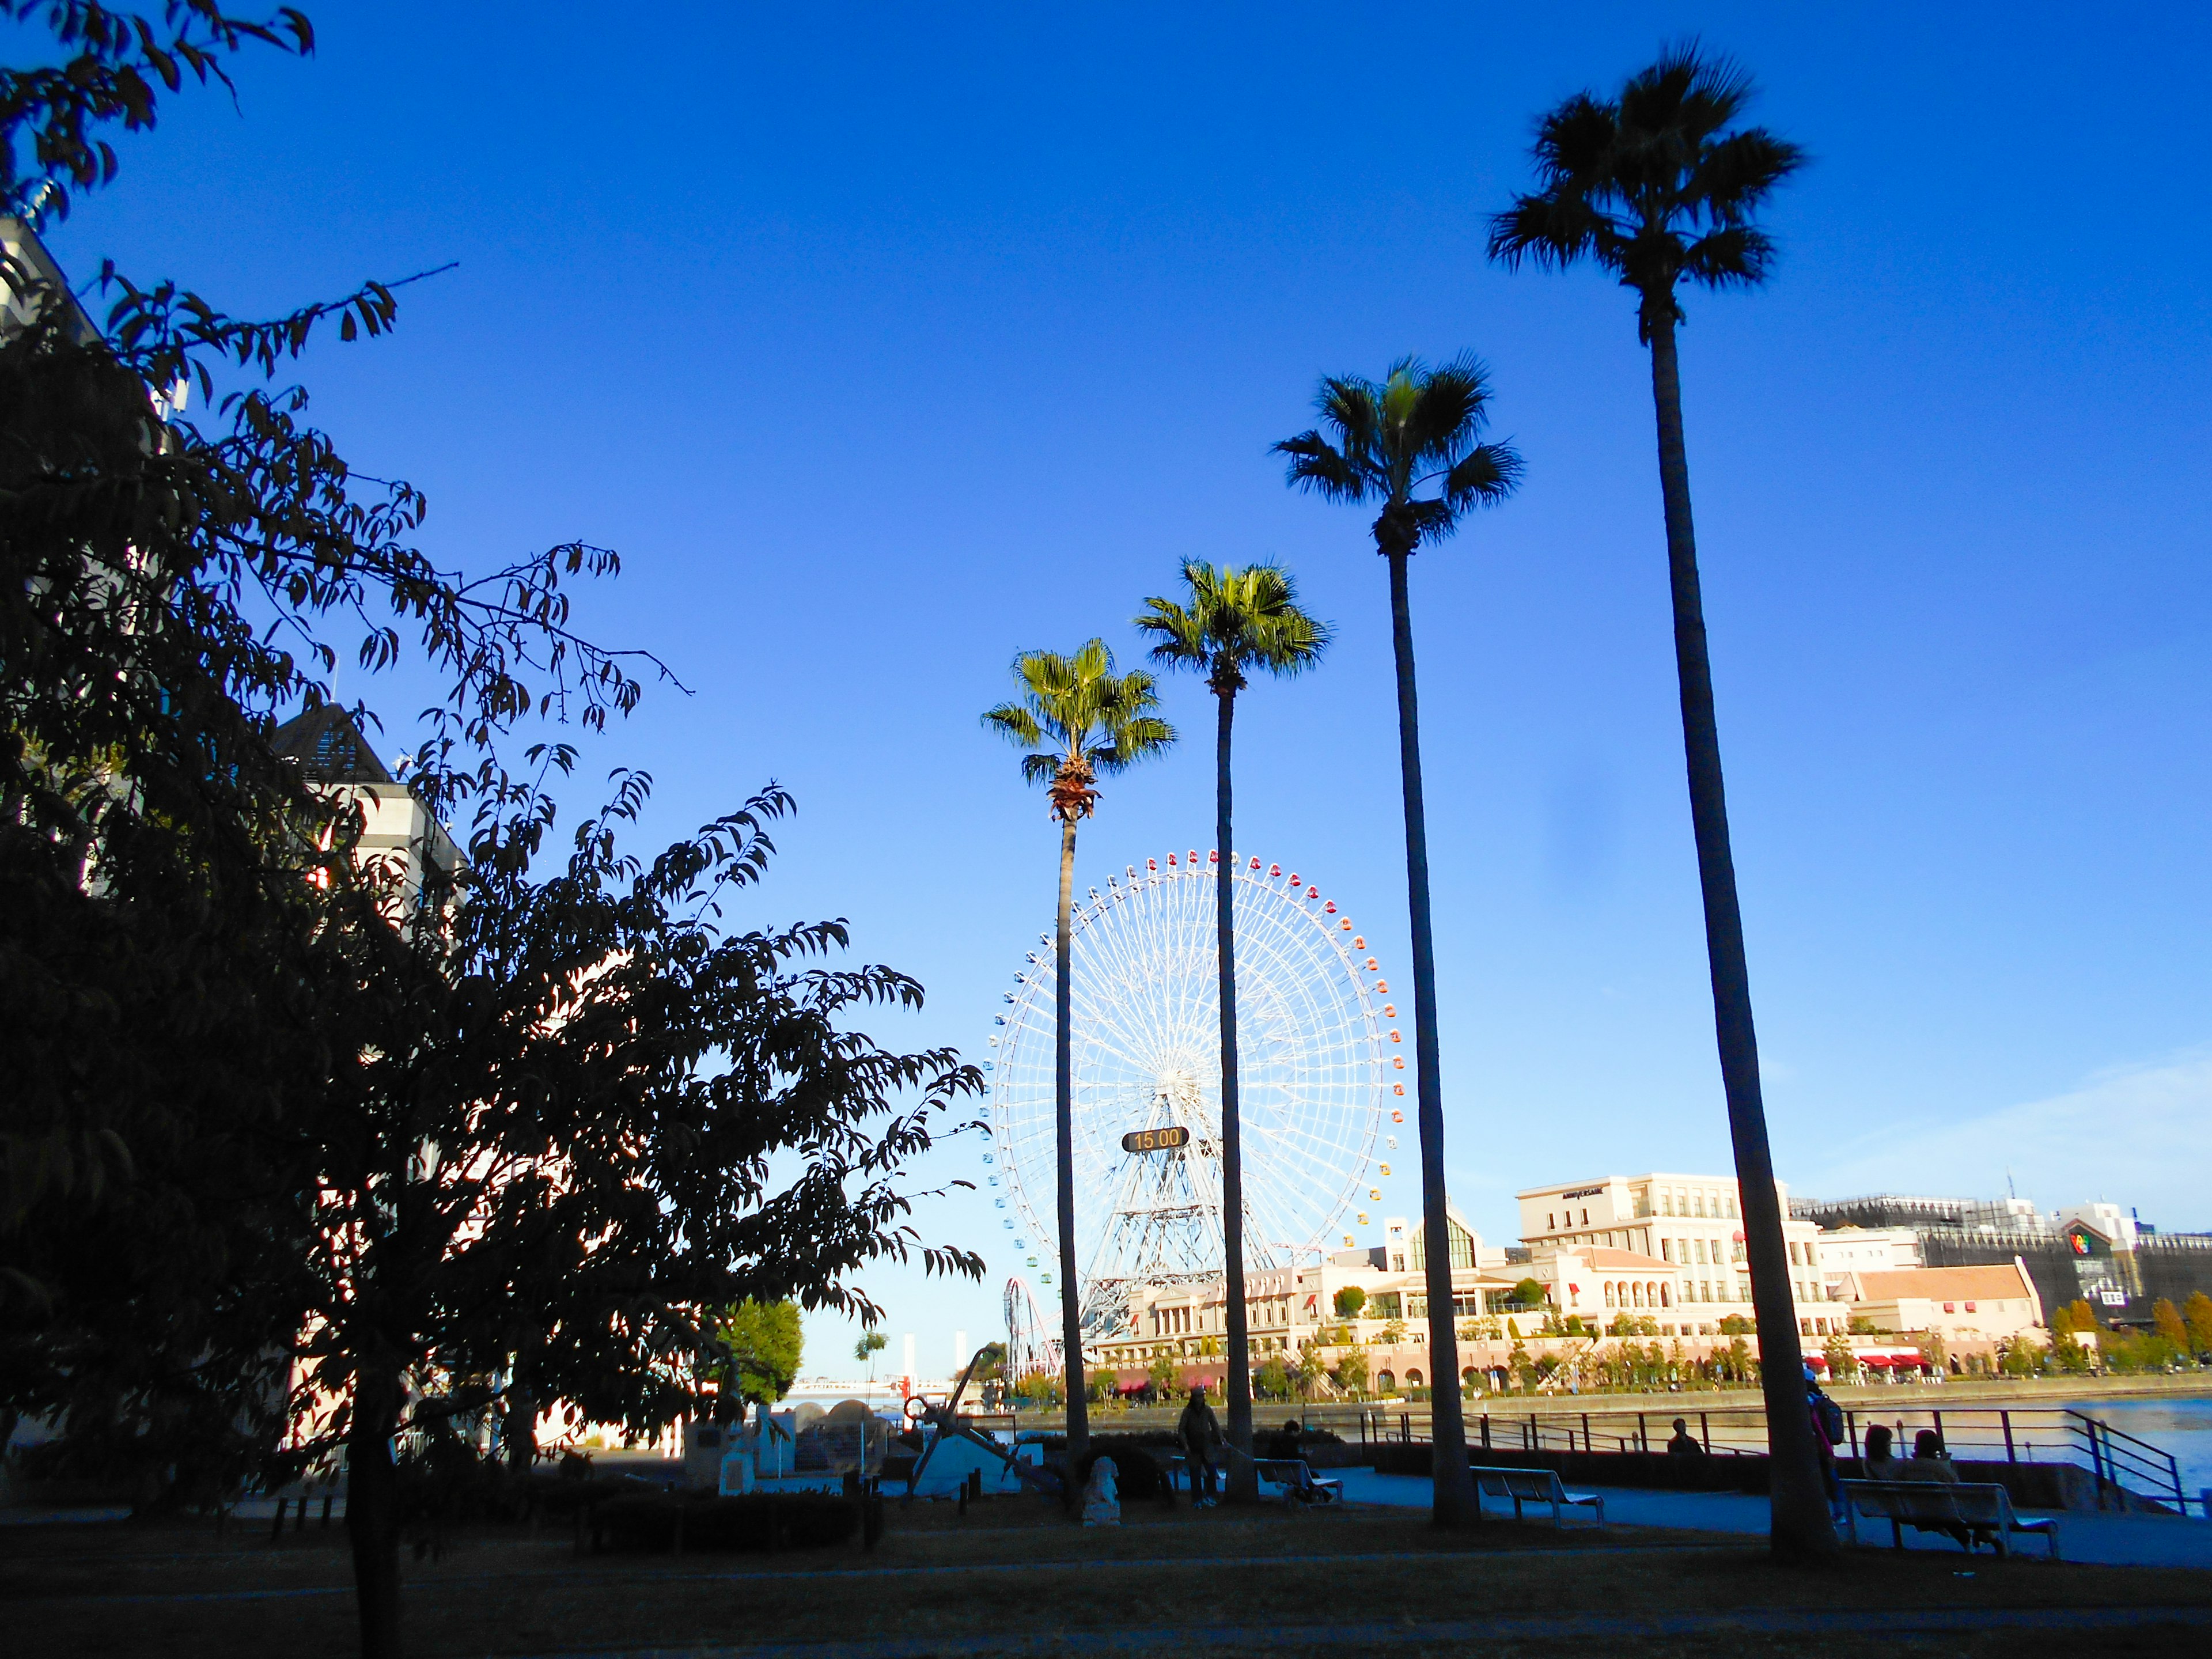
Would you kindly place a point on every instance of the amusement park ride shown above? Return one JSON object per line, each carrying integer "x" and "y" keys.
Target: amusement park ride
{"x": 1320, "y": 1061}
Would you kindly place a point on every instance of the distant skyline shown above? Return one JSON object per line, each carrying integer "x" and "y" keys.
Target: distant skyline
{"x": 886, "y": 345}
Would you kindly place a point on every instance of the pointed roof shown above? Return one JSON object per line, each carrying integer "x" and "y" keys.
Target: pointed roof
{"x": 329, "y": 747}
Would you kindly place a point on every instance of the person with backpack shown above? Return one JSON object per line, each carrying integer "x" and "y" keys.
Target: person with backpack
{"x": 1828, "y": 1429}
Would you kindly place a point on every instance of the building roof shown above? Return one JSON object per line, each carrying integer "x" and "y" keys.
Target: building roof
{"x": 1942, "y": 1283}
{"x": 330, "y": 748}
{"x": 1602, "y": 1260}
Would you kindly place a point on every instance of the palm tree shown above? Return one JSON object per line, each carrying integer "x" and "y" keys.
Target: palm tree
{"x": 1653, "y": 188}
{"x": 1236, "y": 620}
{"x": 1416, "y": 431}
{"x": 1076, "y": 718}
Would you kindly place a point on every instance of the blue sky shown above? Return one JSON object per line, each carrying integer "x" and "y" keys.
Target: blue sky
{"x": 884, "y": 344}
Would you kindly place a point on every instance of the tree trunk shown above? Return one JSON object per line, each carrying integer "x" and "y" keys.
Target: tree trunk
{"x": 1801, "y": 1526}
{"x": 1243, "y": 1487}
{"x": 1453, "y": 1504}
{"x": 1063, "y": 1086}
{"x": 372, "y": 1511}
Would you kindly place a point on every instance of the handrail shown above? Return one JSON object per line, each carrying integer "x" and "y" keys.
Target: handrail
{"x": 2025, "y": 1434}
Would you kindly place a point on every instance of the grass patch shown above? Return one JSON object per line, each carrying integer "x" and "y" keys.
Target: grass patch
{"x": 1011, "y": 1566}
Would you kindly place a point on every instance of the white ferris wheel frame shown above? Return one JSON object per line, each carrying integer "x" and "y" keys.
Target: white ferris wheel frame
{"x": 1320, "y": 1052}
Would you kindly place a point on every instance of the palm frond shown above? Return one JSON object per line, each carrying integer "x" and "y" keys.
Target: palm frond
{"x": 1414, "y": 428}
{"x": 1735, "y": 256}
{"x": 1447, "y": 411}
{"x": 1075, "y": 708}
{"x": 1317, "y": 464}
{"x": 1551, "y": 231}
{"x": 1733, "y": 178}
{"x": 1236, "y": 619}
{"x": 1483, "y": 477}
{"x": 1134, "y": 740}
{"x": 1015, "y": 723}
{"x": 1630, "y": 182}
{"x": 1179, "y": 634}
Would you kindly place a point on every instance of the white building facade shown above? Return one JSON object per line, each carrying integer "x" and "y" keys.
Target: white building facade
{"x": 1691, "y": 1223}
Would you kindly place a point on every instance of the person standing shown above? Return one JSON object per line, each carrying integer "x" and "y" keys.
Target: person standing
{"x": 1828, "y": 1427}
{"x": 1199, "y": 1431}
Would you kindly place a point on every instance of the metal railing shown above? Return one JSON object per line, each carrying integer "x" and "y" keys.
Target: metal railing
{"x": 2114, "y": 1458}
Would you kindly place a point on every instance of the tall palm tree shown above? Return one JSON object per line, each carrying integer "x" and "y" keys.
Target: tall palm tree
{"x": 1077, "y": 718}
{"x": 1418, "y": 431}
{"x": 1653, "y": 187}
{"x": 1235, "y": 621}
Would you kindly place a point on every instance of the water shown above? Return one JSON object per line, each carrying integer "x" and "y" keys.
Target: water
{"x": 2182, "y": 1426}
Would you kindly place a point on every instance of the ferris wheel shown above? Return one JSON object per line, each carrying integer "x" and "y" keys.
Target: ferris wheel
{"x": 1320, "y": 1059}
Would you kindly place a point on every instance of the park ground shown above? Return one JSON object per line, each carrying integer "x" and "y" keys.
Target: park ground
{"x": 1014, "y": 1575}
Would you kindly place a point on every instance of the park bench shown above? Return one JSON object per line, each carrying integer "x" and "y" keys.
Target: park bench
{"x": 1536, "y": 1486}
{"x": 1939, "y": 1504}
{"x": 1294, "y": 1478}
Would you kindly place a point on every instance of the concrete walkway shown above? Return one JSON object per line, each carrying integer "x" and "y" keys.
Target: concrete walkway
{"x": 1469, "y": 1633}
{"x": 2112, "y": 1540}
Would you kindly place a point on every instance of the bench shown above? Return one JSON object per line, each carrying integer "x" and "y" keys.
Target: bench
{"x": 1986, "y": 1509}
{"x": 1294, "y": 1477}
{"x": 1536, "y": 1486}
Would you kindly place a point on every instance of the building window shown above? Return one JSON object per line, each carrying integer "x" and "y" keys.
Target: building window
{"x": 1585, "y": 1215}
{"x": 1551, "y": 1222}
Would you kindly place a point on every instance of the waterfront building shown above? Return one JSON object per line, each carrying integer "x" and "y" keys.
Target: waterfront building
{"x": 1692, "y": 1224}
{"x": 1849, "y": 1250}
{"x": 2102, "y": 1254}
{"x": 1289, "y": 1309}
{"x": 1993, "y": 1302}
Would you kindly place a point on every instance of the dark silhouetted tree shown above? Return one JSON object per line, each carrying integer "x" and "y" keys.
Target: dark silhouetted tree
{"x": 1412, "y": 444}
{"x": 1657, "y": 186}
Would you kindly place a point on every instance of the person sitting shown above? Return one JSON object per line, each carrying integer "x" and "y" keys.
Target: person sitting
{"x": 1880, "y": 1463}
{"x": 1684, "y": 1444}
{"x": 1927, "y": 1463}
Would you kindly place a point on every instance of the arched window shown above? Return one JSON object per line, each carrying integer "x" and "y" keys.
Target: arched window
{"x": 1384, "y": 1381}
{"x": 1665, "y": 1300}
{"x": 1412, "y": 1378}
{"x": 1609, "y": 1293}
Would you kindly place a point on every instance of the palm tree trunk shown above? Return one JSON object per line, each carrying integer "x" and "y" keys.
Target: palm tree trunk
{"x": 1453, "y": 1504}
{"x": 372, "y": 1516}
{"x": 1243, "y": 1479}
{"x": 1801, "y": 1526}
{"x": 1063, "y": 1089}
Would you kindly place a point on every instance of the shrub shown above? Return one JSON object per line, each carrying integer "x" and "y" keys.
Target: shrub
{"x": 1349, "y": 1300}
{"x": 646, "y": 1521}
